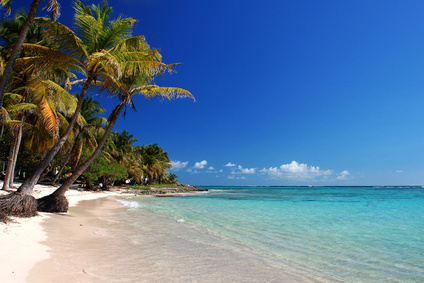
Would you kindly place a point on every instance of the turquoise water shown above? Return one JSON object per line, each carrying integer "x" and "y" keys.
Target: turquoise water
{"x": 349, "y": 234}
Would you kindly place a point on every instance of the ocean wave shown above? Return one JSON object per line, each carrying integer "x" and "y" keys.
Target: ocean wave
{"x": 130, "y": 203}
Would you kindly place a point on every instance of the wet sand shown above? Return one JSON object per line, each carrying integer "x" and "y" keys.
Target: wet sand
{"x": 92, "y": 244}
{"x": 76, "y": 242}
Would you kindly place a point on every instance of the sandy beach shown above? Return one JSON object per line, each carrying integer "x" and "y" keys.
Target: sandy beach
{"x": 91, "y": 244}
{"x": 24, "y": 239}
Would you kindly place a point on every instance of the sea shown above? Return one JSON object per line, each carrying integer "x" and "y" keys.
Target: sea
{"x": 276, "y": 234}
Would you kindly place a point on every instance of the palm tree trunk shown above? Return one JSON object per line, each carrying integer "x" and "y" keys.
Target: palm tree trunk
{"x": 56, "y": 202}
{"x": 7, "y": 177}
{"x": 28, "y": 185}
{"x": 68, "y": 157}
{"x": 17, "y": 48}
{"x": 15, "y": 156}
{"x": 11, "y": 162}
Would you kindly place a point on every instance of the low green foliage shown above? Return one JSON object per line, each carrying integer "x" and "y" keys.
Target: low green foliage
{"x": 139, "y": 188}
{"x": 157, "y": 186}
{"x": 102, "y": 168}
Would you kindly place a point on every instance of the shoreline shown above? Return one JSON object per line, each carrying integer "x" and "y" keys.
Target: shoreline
{"x": 92, "y": 243}
{"x": 24, "y": 238}
{"x": 73, "y": 239}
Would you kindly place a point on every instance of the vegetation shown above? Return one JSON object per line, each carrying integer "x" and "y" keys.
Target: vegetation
{"x": 62, "y": 136}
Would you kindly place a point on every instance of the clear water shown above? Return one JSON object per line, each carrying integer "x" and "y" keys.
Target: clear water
{"x": 351, "y": 234}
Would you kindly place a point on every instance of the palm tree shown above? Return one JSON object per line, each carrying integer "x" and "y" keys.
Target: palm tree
{"x": 9, "y": 32}
{"x": 52, "y": 6}
{"x": 89, "y": 126}
{"x": 120, "y": 146}
{"x": 39, "y": 109}
{"x": 89, "y": 50}
{"x": 154, "y": 162}
{"x": 136, "y": 78}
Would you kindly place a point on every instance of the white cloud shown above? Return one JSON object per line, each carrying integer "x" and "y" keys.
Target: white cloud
{"x": 211, "y": 168}
{"x": 343, "y": 176}
{"x": 232, "y": 177}
{"x": 399, "y": 171}
{"x": 295, "y": 170}
{"x": 201, "y": 164}
{"x": 246, "y": 170}
{"x": 177, "y": 165}
{"x": 229, "y": 164}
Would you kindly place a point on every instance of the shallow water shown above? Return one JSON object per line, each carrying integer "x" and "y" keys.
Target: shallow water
{"x": 350, "y": 234}
{"x": 242, "y": 234}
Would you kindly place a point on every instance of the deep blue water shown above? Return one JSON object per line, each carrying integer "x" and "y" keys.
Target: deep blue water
{"x": 351, "y": 234}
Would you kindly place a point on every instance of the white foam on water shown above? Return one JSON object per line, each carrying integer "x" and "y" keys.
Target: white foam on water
{"x": 130, "y": 203}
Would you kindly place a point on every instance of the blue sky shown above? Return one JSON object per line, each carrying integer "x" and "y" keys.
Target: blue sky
{"x": 288, "y": 92}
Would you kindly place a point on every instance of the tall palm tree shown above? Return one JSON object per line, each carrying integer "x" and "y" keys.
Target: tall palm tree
{"x": 122, "y": 146}
{"x": 136, "y": 78}
{"x": 89, "y": 50}
{"x": 119, "y": 148}
{"x": 89, "y": 126}
{"x": 52, "y": 6}
{"x": 9, "y": 32}
{"x": 41, "y": 104}
{"x": 155, "y": 163}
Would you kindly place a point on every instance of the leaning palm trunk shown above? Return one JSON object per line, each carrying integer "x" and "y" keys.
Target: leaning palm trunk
{"x": 13, "y": 155}
{"x": 68, "y": 157}
{"x": 21, "y": 203}
{"x": 57, "y": 202}
{"x": 17, "y": 48}
{"x": 16, "y": 204}
{"x": 7, "y": 176}
{"x": 28, "y": 185}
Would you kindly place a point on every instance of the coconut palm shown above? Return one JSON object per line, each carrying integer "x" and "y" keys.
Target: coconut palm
{"x": 9, "y": 32}
{"x": 88, "y": 127}
{"x": 88, "y": 50}
{"x": 52, "y": 6}
{"x": 154, "y": 161}
{"x": 120, "y": 147}
{"x": 136, "y": 78}
{"x": 40, "y": 108}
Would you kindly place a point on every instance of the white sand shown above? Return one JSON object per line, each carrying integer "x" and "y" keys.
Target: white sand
{"x": 20, "y": 240}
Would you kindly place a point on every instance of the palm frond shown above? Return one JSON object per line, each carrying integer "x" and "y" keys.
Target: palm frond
{"x": 106, "y": 61}
{"x": 22, "y": 107}
{"x": 47, "y": 90}
{"x": 45, "y": 58}
{"x": 6, "y": 4}
{"x": 63, "y": 101}
{"x": 11, "y": 98}
{"x": 50, "y": 118}
{"x": 4, "y": 115}
{"x": 15, "y": 124}
{"x": 62, "y": 37}
{"x": 116, "y": 32}
{"x": 54, "y": 8}
{"x": 164, "y": 92}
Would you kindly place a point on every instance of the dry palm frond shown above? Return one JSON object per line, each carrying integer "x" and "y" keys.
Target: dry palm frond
{"x": 54, "y": 8}
{"x": 45, "y": 58}
{"x": 4, "y": 115}
{"x": 6, "y": 4}
{"x": 63, "y": 37}
{"x": 166, "y": 92}
{"x": 106, "y": 61}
